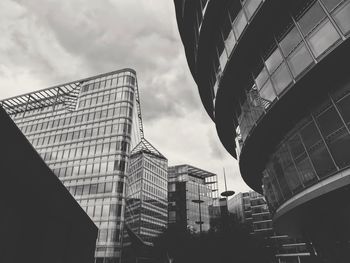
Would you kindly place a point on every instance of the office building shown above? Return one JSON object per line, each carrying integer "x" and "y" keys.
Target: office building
{"x": 275, "y": 75}
{"x": 147, "y": 192}
{"x": 40, "y": 221}
{"x": 84, "y": 131}
{"x": 190, "y": 195}
{"x": 250, "y": 209}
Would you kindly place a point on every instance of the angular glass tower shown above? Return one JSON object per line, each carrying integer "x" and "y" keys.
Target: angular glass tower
{"x": 273, "y": 76}
{"x": 84, "y": 131}
{"x": 147, "y": 192}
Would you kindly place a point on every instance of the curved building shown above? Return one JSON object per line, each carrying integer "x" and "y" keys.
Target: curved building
{"x": 274, "y": 77}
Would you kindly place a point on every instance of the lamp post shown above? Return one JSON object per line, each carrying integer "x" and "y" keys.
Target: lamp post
{"x": 199, "y": 202}
{"x": 226, "y": 194}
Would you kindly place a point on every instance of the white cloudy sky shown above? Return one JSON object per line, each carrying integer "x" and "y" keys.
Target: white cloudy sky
{"x": 44, "y": 43}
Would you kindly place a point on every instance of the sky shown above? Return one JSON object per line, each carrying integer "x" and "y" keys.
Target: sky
{"x": 45, "y": 43}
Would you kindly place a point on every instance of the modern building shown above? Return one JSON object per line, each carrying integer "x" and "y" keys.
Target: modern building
{"x": 250, "y": 209}
{"x": 40, "y": 221}
{"x": 147, "y": 192}
{"x": 273, "y": 73}
{"x": 190, "y": 195}
{"x": 84, "y": 131}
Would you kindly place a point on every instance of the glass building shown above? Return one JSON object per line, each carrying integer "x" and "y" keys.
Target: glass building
{"x": 273, "y": 76}
{"x": 250, "y": 209}
{"x": 187, "y": 185}
{"x": 84, "y": 131}
{"x": 147, "y": 192}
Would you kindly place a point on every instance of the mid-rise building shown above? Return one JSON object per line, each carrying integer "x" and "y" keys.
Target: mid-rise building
{"x": 84, "y": 131}
{"x": 250, "y": 209}
{"x": 147, "y": 192}
{"x": 274, "y": 74}
{"x": 190, "y": 195}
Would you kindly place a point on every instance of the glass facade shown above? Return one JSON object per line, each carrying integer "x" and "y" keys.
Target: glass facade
{"x": 85, "y": 137}
{"x": 317, "y": 148}
{"x": 147, "y": 192}
{"x": 187, "y": 184}
{"x": 309, "y": 36}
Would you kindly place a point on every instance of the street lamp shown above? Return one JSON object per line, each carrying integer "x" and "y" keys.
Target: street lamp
{"x": 227, "y": 193}
{"x": 199, "y": 202}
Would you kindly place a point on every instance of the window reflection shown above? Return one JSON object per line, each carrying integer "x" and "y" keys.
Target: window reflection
{"x": 299, "y": 60}
{"x": 311, "y": 18}
{"x": 342, "y": 17}
{"x": 322, "y": 38}
{"x": 281, "y": 78}
{"x": 274, "y": 60}
{"x": 267, "y": 93}
{"x": 239, "y": 24}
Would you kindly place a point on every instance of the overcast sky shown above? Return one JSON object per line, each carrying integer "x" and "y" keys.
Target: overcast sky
{"x": 44, "y": 43}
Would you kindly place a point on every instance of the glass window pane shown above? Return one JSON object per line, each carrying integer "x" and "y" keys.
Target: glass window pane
{"x": 281, "y": 78}
{"x": 230, "y": 42}
{"x": 274, "y": 60}
{"x": 321, "y": 160}
{"x": 342, "y": 17}
{"x": 251, "y": 6}
{"x": 331, "y": 4}
{"x": 310, "y": 135}
{"x": 261, "y": 78}
{"x": 296, "y": 146}
{"x": 239, "y": 24}
{"x": 311, "y": 18}
{"x": 322, "y": 38}
{"x": 290, "y": 41}
{"x": 299, "y": 60}
{"x": 339, "y": 145}
{"x": 329, "y": 121}
{"x": 267, "y": 92}
{"x": 344, "y": 108}
{"x": 306, "y": 171}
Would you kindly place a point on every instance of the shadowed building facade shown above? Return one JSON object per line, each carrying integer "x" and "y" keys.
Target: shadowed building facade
{"x": 84, "y": 131}
{"x": 40, "y": 221}
{"x": 273, "y": 76}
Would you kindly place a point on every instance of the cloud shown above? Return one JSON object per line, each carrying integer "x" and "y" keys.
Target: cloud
{"x": 55, "y": 41}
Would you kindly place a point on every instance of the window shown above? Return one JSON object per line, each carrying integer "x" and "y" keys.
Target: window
{"x": 261, "y": 78}
{"x": 267, "y": 92}
{"x": 281, "y": 78}
{"x": 311, "y": 18}
{"x": 274, "y": 60}
{"x": 299, "y": 60}
{"x": 342, "y": 17}
{"x": 322, "y": 38}
{"x": 331, "y": 4}
{"x": 251, "y": 6}
{"x": 290, "y": 41}
{"x": 239, "y": 24}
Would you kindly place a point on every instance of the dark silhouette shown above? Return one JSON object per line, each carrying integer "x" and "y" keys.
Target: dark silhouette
{"x": 227, "y": 241}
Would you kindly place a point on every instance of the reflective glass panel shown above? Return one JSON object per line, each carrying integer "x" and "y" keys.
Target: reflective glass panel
{"x": 311, "y": 18}
{"x": 299, "y": 60}
{"x": 274, "y": 60}
{"x": 251, "y": 6}
{"x": 281, "y": 78}
{"x": 322, "y": 38}
{"x": 290, "y": 41}
{"x": 331, "y": 4}
{"x": 339, "y": 145}
{"x": 261, "y": 78}
{"x": 239, "y": 24}
{"x": 267, "y": 92}
{"x": 306, "y": 171}
{"x": 329, "y": 121}
{"x": 344, "y": 108}
{"x": 342, "y": 17}
{"x": 230, "y": 42}
{"x": 310, "y": 135}
{"x": 321, "y": 159}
